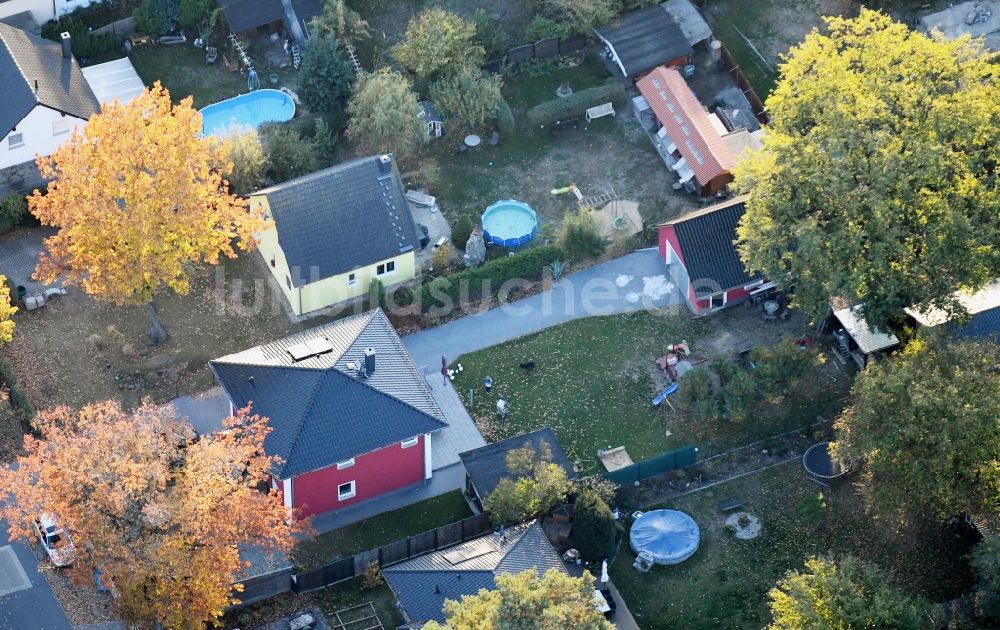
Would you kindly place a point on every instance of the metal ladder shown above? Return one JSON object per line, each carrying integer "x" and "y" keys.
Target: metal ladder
{"x": 353, "y": 58}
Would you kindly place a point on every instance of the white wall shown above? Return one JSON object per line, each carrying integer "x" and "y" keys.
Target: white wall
{"x": 41, "y": 10}
{"x": 38, "y": 135}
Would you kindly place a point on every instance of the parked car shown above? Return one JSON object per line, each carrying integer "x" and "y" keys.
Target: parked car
{"x": 54, "y": 539}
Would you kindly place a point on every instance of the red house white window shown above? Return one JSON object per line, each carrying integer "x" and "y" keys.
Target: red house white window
{"x": 346, "y": 491}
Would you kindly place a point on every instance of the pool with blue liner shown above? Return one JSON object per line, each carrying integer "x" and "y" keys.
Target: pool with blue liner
{"x": 509, "y": 223}
{"x": 247, "y": 110}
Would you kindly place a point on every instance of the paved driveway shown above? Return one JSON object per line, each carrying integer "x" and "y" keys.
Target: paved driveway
{"x": 26, "y": 599}
{"x": 633, "y": 282}
{"x": 19, "y": 255}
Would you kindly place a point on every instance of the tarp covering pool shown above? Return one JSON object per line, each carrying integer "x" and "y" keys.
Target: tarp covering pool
{"x": 509, "y": 223}
{"x": 669, "y": 536}
{"x": 247, "y": 110}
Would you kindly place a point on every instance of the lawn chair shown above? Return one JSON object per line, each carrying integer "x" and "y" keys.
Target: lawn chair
{"x": 211, "y": 54}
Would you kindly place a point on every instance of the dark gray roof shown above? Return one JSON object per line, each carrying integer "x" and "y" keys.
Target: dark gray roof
{"x": 982, "y": 325}
{"x": 26, "y": 59}
{"x": 306, "y": 10}
{"x": 706, "y": 238}
{"x": 645, "y": 39}
{"x": 244, "y": 15}
{"x": 487, "y": 465}
{"x": 423, "y": 584}
{"x": 342, "y": 218}
{"x": 320, "y": 410}
{"x": 429, "y": 113}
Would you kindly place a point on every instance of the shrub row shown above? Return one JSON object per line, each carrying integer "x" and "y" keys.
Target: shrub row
{"x": 83, "y": 42}
{"x": 576, "y": 104}
{"x": 490, "y": 276}
{"x": 18, "y": 398}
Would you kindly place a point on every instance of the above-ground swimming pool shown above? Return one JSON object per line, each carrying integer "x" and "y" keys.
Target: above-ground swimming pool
{"x": 509, "y": 223}
{"x": 247, "y": 110}
{"x": 669, "y": 536}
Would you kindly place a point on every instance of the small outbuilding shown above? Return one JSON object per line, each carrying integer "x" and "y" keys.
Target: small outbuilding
{"x": 487, "y": 465}
{"x": 431, "y": 119}
{"x": 702, "y": 259}
{"x": 854, "y": 339}
{"x": 689, "y": 19}
{"x": 641, "y": 40}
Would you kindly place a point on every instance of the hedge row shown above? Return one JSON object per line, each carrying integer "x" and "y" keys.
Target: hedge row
{"x": 576, "y": 104}
{"x": 448, "y": 290}
{"x": 18, "y": 397}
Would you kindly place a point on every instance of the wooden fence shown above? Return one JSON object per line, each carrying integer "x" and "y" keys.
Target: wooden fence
{"x": 393, "y": 553}
{"x": 546, "y": 48}
{"x": 119, "y": 30}
{"x": 741, "y": 81}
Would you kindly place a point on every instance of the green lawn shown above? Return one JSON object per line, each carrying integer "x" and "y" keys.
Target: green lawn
{"x": 724, "y": 585}
{"x": 592, "y": 384}
{"x": 182, "y": 70}
{"x": 595, "y": 378}
{"x": 380, "y": 530}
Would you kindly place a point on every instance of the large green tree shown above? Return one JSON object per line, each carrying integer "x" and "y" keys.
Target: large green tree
{"x": 327, "y": 76}
{"x": 584, "y": 15}
{"x": 438, "y": 42}
{"x": 385, "y": 114}
{"x": 534, "y": 486}
{"x": 926, "y": 423}
{"x": 528, "y": 602}
{"x": 469, "y": 97}
{"x": 878, "y": 177}
{"x": 845, "y": 595}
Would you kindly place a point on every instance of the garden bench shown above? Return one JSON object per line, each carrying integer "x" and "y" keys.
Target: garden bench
{"x": 730, "y": 504}
{"x": 607, "y": 109}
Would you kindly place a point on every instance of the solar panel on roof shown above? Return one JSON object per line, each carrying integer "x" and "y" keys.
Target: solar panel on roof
{"x": 319, "y": 345}
{"x": 299, "y": 351}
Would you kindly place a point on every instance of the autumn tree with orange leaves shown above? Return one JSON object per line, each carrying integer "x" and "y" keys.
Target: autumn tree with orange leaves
{"x": 158, "y": 512}
{"x": 139, "y": 196}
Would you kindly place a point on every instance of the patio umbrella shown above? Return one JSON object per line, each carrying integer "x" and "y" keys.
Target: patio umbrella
{"x": 604, "y": 572}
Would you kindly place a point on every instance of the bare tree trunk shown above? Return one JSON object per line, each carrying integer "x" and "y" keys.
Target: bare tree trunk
{"x": 157, "y": 331}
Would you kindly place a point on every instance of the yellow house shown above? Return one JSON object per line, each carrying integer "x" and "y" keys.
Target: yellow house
{"x": 336, "y": 230}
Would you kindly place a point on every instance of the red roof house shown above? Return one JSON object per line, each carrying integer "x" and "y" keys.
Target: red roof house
{"x": 696, "y": 148}
{"x": 350, "y": 415}
{"x": 702, "y": 259}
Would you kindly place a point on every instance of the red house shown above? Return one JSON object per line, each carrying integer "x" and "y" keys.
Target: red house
{"x": 700, "y": 253}
{"x": 691, "y": 140}
{"x": 351, "y": 417}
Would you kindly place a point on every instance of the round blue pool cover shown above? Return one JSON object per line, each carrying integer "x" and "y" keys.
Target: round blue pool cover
{"x": 667, "y": 535}
{"x": 509, "y": 223}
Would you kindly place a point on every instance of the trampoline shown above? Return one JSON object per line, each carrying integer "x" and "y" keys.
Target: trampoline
{"x": 669, "y": 536}
{"x": 509, "y": 223}
{"x": 820, "y": 466}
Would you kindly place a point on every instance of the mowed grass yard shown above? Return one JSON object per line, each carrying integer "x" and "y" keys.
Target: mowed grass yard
{"x": 608, "y": 153}
{"x": 725, "y": 584}
{"x": 595, "y": 378}
{"x": 182, "y": 69}
{"x": 383, "y": 529}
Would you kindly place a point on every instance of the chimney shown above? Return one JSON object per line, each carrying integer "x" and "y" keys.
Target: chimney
{"x": 385, "y": 164}
{"x": 369, "y": 361}
{"x": 67, "y": 44}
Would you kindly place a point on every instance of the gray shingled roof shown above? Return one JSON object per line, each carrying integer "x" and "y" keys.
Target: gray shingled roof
{"x": 320, "y": 410}
{"x": 706, "y": 238}
{"x": 487, "y": 465}
{"x": 244, "y": 15}
{"x": 645, "y": 39}
{"x": 26, "y": 59}
{"x": 342, "y": 218}
{"x": 423, "y": 584}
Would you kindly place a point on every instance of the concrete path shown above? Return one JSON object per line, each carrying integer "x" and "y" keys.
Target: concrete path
{"x": 26, "y": 599}
{"x": 630, "y": 283}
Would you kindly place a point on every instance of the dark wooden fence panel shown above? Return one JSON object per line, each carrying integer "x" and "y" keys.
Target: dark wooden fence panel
{"x": 741, "y": 81}
{"x": 264, "y": 586}
{"x": 572, "y": 45}
{"x": 520, "y": 54}
{"x": 547, "y": 47}
{"x": 423, "y": 543}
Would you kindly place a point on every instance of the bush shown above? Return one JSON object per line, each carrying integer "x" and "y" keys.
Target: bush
{"x": 83, "y": 43}
{"x": 576, "y": 104}
{"x": 18, "y": 397}
{"x": 739, "y": 395}
{"x": 593, "y": 527}
{"x": 505, "y": 118}
{"x": 490, "y": 34}
{"x": 812, "y": 508}
{"x": 441, "y": 258}
{"x": 527, "y": 265}
{"x": 782, "y": 363}
{"x": 13, "y": 210}
{"x": 581, "y": 237}
{"x": 462, "y": 230}
{"x": 695, "y": 395}
{"x": 288, "y": 153}
{"x": 542, "y": 27}
{"x": 156, "y": 17}
{"x": 376, "y": 293}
